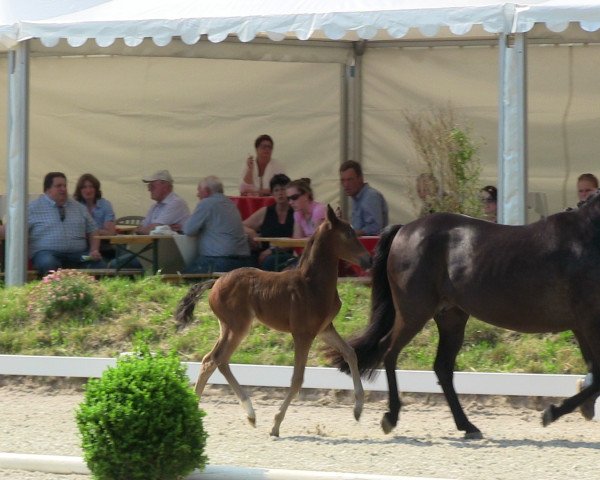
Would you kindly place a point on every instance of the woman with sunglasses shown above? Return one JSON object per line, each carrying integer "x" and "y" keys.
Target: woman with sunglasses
{"x": 308, "y": 214}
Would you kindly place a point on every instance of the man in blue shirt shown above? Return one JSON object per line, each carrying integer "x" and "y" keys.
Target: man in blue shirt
{"x": 62, "y": 234}
{"x": 222, "y": 241}
{"x": 369, "y": 208}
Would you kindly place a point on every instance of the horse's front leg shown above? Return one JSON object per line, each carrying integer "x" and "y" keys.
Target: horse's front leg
{"x": 301, "y": 348}
{"x": 451, "y": 325}
{"x": 589, "y": 343}
{"x": 333, "y": 339}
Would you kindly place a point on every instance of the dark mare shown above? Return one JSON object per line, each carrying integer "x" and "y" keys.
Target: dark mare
{"x": 542, "y": 277}
{"x": 302, "y": 301}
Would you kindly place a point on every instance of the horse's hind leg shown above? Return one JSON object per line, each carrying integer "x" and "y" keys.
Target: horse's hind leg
{"x": 219, "y": 357}
{"x": 400, "y": 338}
{"x": 333, "y": 339}
{"x": 301, "y": 348}
{"x": 451, "y": 325}
{"x": 589, "y": 341}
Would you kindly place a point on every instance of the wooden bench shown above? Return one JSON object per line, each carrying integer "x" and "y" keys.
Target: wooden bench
{"x": 188, "y": 277}
{"x": 113, "y": 272}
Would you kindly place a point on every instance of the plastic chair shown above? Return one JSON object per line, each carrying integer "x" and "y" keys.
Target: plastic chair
{"x": 130, "y": 220}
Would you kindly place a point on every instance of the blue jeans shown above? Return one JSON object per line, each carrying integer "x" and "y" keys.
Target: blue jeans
{"x": 206, "y": 264}
{"x": 46, "y": 260}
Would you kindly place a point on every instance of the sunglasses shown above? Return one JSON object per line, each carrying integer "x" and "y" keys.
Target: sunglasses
{"x": 61, "y": 213}
{"x": 295, "y": 196}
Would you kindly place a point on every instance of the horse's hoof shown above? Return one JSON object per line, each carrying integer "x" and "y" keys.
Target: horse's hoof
{"x": 386, "y": 425}
{"x": 252, "y": 421}
{"x": 548, "y": 416}
{"x": 357, "y": 412}
{"x": 476, "y": 435}
{"x": 275, "y": 432}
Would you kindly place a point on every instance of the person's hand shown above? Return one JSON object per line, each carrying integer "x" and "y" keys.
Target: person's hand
{"x": 95, "y": 255}
{"x": 250, "y": 162}
{"x": 176, "y": 227}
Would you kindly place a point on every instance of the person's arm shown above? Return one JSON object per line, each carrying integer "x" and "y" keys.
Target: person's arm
{"x": 247, "y": 186}
{"x": 94, "y": 243}
{"x": 108, "y": 228}
{"x": 255, "y": 220}
{"x": 373, "y": 216}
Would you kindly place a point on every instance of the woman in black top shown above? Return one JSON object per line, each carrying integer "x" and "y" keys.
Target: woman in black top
{"x": 276, "y": 220}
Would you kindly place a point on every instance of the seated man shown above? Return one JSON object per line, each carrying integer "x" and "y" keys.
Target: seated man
{"x": 169, "y": 209}
{"x": 222, "y": 242}
{"x": 369, "y": 208}
{"x": 62, "y": 234}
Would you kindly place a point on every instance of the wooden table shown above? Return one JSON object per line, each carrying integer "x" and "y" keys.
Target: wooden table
{"x": 283, "y": 242}
{"x": 370, "y": 242}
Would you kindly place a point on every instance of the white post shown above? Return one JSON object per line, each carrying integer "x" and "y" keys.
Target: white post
{"x": 512, "y": 135}
{"x": 17, "y": 164}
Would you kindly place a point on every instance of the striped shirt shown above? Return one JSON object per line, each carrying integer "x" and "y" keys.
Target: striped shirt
{"x": 48, "y": 232}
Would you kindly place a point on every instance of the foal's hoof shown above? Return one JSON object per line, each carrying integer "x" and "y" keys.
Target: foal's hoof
{"x": 476, "y": 435}
{"x": 252, "y": 421}
{"x": 548, "y": 416}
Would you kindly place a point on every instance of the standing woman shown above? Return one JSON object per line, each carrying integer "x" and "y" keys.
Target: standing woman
{"x": 87, "y": 192}
{"x": 259, "y": 170}
{"x": 308, "y": 214}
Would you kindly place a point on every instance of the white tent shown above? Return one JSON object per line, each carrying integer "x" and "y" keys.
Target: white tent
{"x": 351, "y": 58}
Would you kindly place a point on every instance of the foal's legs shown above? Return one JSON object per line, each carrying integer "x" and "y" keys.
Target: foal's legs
{"x": 451, "y": 325}
{"x": 591, "y": 339}
{"x": 219, "y": 357}
{"x": 301, "y": 348}
{"x": 333, "y": 339}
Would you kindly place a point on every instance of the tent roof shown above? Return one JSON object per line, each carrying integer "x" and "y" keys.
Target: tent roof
{"x": 133, "y": 20}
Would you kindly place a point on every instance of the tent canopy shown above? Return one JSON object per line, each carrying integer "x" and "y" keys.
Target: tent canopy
{"x": 133, "y": 20}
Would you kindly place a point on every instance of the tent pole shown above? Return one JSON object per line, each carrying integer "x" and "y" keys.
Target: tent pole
{"x": 512, "y": 135}
{"x": 17, "y": 164}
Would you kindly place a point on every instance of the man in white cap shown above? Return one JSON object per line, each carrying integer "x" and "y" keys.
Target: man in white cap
{"x": 169, "y": 209}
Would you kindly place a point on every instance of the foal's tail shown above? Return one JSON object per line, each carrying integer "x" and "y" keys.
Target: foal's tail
{"x": 185, "y": 307}
{"x": 370, "y": 346}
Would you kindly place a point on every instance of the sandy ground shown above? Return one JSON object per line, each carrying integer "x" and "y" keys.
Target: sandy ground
{"x": 320, "y": 433}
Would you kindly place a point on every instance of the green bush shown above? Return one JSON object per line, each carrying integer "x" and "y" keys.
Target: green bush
{"x": 62, "y": 291}
{"x": 140, "y": 420}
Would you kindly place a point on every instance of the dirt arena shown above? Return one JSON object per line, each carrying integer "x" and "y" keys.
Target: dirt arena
{"x": 320, "y": 433}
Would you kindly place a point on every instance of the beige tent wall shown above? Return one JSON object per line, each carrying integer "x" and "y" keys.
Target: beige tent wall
{"x": 121, "y": 117}
{"x": 564, "y": 115}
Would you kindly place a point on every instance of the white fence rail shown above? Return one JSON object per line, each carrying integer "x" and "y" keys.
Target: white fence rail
{"x": 521, "y": 384}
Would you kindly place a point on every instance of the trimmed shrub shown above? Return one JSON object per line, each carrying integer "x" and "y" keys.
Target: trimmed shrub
{"x": 140, "y": 420}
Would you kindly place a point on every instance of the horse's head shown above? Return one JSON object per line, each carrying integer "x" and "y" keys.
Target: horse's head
{"x": 344, "y": 240}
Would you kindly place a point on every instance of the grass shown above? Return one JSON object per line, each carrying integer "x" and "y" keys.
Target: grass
{"x": 125, "y": 309}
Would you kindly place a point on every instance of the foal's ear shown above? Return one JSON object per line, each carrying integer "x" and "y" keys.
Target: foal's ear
{"x": 331, "y": 216}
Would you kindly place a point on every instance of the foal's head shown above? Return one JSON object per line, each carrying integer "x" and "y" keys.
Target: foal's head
{"x": 342, "y": 240}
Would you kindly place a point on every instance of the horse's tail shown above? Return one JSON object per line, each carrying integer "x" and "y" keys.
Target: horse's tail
{"x": 370, "y": 346}
{"x": 186, "y": 306}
